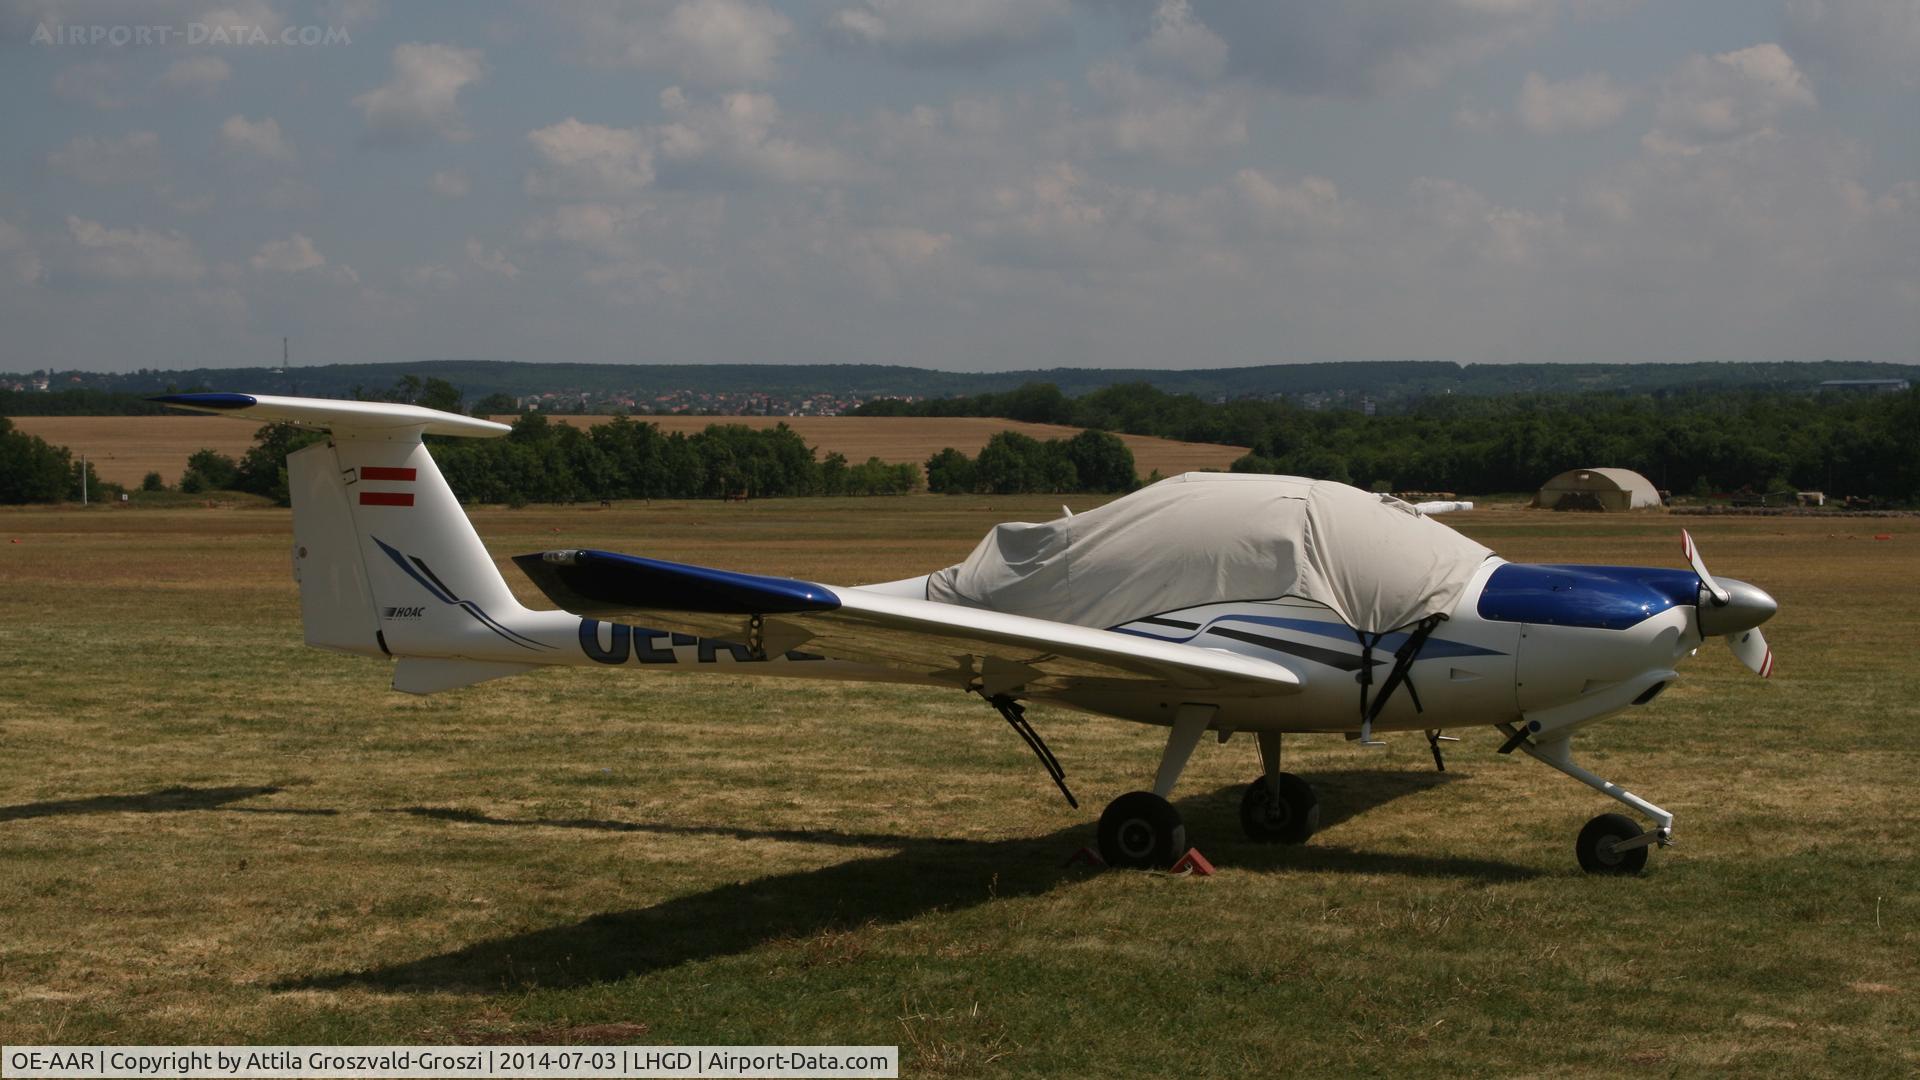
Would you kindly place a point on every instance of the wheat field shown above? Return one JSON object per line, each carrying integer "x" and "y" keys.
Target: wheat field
{"x": 124, "y": 449}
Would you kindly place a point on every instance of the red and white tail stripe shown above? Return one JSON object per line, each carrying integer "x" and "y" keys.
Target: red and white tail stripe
{"x": 390, "y": 474}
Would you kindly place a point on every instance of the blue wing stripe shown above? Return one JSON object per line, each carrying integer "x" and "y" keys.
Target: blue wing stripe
{"x": 1435, "y": 648}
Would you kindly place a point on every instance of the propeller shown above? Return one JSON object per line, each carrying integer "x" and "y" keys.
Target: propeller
{"x": 1720, "y": 595}
{"x": 1733, "y": 610}
{"x": 1753, "y": 651}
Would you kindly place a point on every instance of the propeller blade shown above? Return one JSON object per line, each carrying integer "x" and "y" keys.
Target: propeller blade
{"x": 1753, "y": 651}
{"x": 1720, "y": 595}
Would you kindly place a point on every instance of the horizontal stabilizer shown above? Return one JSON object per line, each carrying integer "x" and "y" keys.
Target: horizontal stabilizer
{"x": 421, "y": 675}
{"x": 332, "y": 413}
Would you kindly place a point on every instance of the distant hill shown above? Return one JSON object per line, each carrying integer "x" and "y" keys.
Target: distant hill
{"x": 1386, "y": 382}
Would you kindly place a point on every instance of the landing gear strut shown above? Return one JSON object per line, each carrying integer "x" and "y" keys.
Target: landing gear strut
{"x": 1610, "y": 843}
{"x": 1141, "y": 830}
{"x": 1278, "y": 807}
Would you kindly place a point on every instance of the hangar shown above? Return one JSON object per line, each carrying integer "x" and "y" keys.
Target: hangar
{"x": 1597, "y": 489}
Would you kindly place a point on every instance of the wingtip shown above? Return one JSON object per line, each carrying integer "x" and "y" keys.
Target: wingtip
{"x": 208, "y": 400}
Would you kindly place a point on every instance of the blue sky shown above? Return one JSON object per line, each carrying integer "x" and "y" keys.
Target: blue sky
{"x": 973, "y": 186}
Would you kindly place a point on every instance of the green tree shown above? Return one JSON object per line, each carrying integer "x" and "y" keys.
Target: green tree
{"x": 263, "y": 468}
{"x": 1101, "y": 462}
{"x": 950, "y": 472}
{"x": 209, "y": 470}
{"x": 31, "y": 470}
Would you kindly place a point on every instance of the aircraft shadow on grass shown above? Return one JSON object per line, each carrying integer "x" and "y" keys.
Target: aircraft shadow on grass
{"x": 161, "y": 801}
{"x": 919, "y": 875}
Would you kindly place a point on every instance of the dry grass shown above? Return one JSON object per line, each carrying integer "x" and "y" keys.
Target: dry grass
{"x": 211, "y": 833}
{"x": 124, "y": 449}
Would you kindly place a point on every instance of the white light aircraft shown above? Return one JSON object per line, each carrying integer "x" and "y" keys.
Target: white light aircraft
{"x": 1205, "y": 603}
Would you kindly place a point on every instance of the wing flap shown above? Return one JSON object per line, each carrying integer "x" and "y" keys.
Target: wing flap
{"x": 970, "y": 647}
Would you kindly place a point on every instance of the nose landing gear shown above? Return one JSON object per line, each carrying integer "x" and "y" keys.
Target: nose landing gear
{"x": 1610, "y": 843}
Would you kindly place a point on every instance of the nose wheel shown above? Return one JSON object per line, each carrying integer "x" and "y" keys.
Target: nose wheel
{"x": 1279, "y": 809}
{"x": 1612, "y": 844}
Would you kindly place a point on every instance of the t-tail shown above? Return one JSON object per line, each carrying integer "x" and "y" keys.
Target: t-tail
{"x": 387, "y": 562}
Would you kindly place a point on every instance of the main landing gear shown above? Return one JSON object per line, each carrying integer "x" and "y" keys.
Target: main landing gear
{"x": 1141, "y": 830}
{"x": 1278, "y": 807}
{"x": 1610, "y": 843}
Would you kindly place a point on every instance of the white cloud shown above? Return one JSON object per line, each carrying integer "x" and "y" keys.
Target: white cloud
{"x": 1862, "y": 40}
{"x": 421, "y": 101}
{"x": 1143, "y": 114}
{"x": 130, "y": 159}
{"x": 135, "y": 254}
{"x": 297, "y": 255}
{"x": 255, "y": 138}
{"x": 1726, "y": 96}
{"x": 1180, "y": 45}
{"x": 1460, "y": 220}
{"x": 1584, "y": 103}
{"x": 493, "y": 262}
{"x": 1310, "y": 205}
{"x": 735, "y": 139}
{"x": 201, "y": 72}
{"x": 1164, "y": 97}
{"x": 603, "y": 229}
{"x": 450, "y": 184}
{"x": 945, "y": 31}
{"x": 705, "y": 42}
{"x": 579, "y": 160}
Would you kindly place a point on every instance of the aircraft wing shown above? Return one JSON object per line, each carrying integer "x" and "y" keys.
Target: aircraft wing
{"x": 990, "y": 651}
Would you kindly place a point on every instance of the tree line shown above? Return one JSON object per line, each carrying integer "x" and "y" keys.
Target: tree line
{"x": 1016, "y": 464}
{"x": 1691, "y": 442}
{"x": 545, "y": 462}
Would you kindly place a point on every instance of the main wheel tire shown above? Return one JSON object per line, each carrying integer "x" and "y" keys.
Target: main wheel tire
{"x": 1596, "y": 846}
{"x": 1290, "y": 819}
{"x": 1141, "y": 831}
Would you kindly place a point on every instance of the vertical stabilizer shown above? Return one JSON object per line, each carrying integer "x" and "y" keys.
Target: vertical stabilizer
{"x": 336, "y": 601}
{"x": 436, "y": 590}
{"x": 387, "y": 562}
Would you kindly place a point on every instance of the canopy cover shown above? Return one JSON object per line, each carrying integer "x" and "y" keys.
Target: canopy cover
{"x": 1202, "y": 538}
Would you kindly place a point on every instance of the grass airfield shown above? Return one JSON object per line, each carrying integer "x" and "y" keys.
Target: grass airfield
{"x": 211, "y": 833}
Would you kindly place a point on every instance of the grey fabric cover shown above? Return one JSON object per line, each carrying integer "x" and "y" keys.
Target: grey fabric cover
{"x": 1202, "y": 538}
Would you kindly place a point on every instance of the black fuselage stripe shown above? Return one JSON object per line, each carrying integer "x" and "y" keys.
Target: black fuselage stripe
{"x": 1156, "y": 620}
{"x": 1331, "y": 657}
